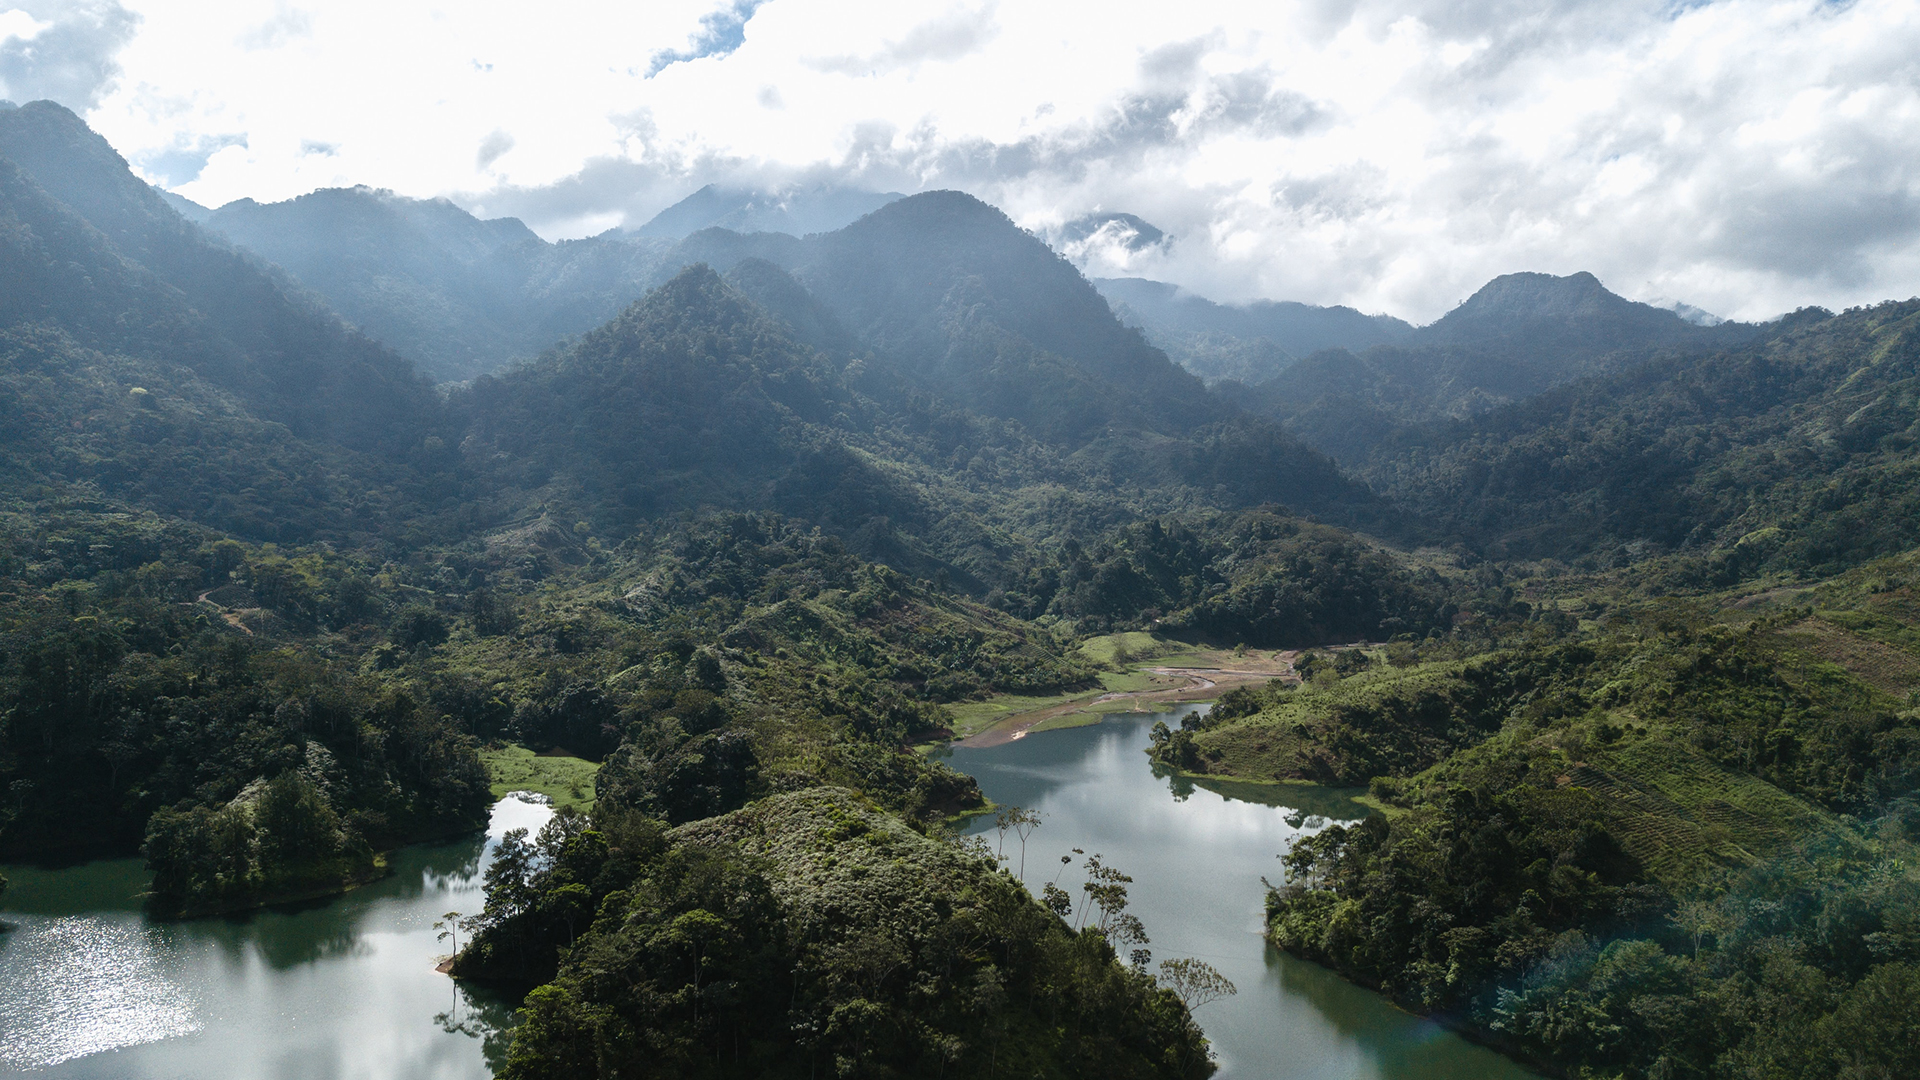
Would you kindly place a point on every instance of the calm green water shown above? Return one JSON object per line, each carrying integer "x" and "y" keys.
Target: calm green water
{"x": 345, "y": 988}
{"x": 342, "y": 988}
{"x": 1197, "y": 855}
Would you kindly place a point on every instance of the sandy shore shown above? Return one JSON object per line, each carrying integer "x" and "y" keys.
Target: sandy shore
{"x": 1203, "y": 684}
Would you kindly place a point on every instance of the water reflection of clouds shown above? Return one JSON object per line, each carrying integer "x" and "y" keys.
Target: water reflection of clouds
{"x": 1197, "y": 863}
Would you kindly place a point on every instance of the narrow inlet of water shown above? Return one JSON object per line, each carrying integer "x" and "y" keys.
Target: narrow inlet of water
{"x": 1197, "y": 853}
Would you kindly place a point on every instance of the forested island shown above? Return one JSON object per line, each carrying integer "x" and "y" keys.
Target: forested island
{"x": 1612, "y": 616}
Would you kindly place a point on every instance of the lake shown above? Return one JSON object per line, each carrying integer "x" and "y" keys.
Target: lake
{"x": 327, "y": 990}
{"x": 344, "y": 989}
{"x": 1197, "y": 854}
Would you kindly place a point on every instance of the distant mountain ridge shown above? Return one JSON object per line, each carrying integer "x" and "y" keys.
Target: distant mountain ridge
{"x": 458, "y": 295}
{"x": 795, "y": 211}
{"x": 1518, "y": 336}
{"x": 229, "y": 317}
{"x": 1576, "y": 313}
{"x": 1248, "y": 343}
{"x": 463, "y": 297}
{"x": 874, "y": 379}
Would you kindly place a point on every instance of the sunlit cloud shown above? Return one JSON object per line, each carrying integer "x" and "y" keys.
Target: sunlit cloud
{"x": 1747, "y": 156}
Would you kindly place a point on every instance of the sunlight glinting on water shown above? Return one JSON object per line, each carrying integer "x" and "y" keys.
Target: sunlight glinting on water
{"x": 84, "y": 985}
{"x": 342, "y": 988}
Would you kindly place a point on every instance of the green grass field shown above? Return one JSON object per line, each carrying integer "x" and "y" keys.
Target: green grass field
{"x": 973, "y": 717}
{"x": 566, "y": 780}
{"x": 1135, "y": 645}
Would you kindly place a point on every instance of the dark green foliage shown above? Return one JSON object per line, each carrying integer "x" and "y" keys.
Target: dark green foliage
{"x": 1519, "y": 335}
{"x": 275, "y": 839}
{"x": 715, "y": 394}
{"x": 1796, "y": 454}
{"x": 133, "y": 713}
{"x": 1256, "y": 578}
{"x": 806, "y": 934}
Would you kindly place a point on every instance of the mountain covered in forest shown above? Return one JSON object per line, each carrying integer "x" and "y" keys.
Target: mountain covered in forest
{"x": 1611, "y": 613}
{"x": 1247, "y": 343}
{"x": 1519, "y": 336}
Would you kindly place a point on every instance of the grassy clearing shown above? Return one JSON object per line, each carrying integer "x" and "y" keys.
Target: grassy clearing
{"x": 1108, "y": 650}
{"x": 568, "y": 781}
{"x": 973, "y": 717}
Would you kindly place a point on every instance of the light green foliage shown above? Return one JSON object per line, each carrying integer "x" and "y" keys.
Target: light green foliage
{"x": 1615, "y": 877}
{"x": 568, "y": 781}
{"x": 1119, "y": 650}
{"x": 1380, "y": 722}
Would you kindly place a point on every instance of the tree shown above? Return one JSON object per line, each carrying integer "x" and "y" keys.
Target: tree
{"x": 1698, "y": 918}
{"x": 449, "y": 927}
{"x": 1195, "y": 982}
{"x": 296, "y": 823}
{"x": 1021, "y": 823}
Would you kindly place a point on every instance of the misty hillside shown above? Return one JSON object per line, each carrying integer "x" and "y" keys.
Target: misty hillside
{"x": 796, "y": 211}
{"x": 459, "y": 296}
{"x": 735, "y": 525}
{"x": 1518, "y": 336}
{"x": 1247, "y": 343}
{"x": 111, "y": 262}
{"x": 1795, "y": 451}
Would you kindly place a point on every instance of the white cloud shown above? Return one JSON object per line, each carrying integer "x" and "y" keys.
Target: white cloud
{"x": 18, "y": 25}
{"x": 61, "y": 49}
{"x": 1746, "y": 156}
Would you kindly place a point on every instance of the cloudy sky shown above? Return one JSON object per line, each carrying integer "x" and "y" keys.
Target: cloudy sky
{"x": 1747, "y": 156}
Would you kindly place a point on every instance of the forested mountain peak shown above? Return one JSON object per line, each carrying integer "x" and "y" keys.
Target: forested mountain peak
{"x": 67, "y": 157}
{"x": 1533, "y": 311}
{"x": 383, "y": 225}
{"x": 458, "y": 295}
{"x": 950, "y": 284}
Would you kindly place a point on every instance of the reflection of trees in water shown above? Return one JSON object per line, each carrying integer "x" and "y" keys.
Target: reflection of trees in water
{"x": 441, "y": 867}
{"x": 1399, "y": 1045}
{"x": 482, "y": 1013}
{"x": 286, "y": 937}
{"x": 330, "y": 928}
{"x": 1334, "y": 804}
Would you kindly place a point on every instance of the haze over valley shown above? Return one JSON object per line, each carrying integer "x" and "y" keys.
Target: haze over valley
{"x": 952, "y": 601}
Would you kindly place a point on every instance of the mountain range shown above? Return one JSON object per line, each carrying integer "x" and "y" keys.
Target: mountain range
{"x": 310, "y": 506}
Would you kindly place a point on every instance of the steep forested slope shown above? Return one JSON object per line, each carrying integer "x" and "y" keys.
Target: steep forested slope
{"x": 808, "y": 933}
{"x": 230, "y": 318}
{"x": 1798, "y": 453}
{"x": 459, "y": 296}
{"x": 1518, "y": 336}
{"x": 1672, "y": 849}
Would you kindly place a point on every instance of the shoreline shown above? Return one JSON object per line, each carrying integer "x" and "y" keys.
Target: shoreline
{"x": 381, "y": 870}
{"x": 1204, "y": 684}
